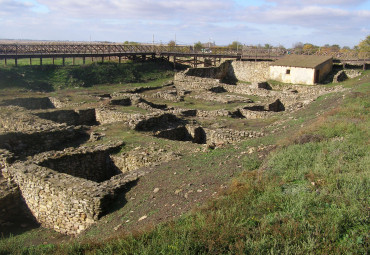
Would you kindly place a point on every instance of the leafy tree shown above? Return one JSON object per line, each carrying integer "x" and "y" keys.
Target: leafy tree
{"x": 198, "y": 46}
{"x": 171, "y": 43}
{"x": 364, "y": 45}
{"x": 298, "y": 45}
{"x": 310, "y": 48}
{"x": 335, "y": 47}
{"x": 235, "y": 45}
{"x": 132, "y": 43}
{"x": 364, "y": 48}
{"x": 267, "y": 46}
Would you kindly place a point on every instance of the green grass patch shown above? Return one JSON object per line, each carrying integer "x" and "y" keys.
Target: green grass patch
{"x": 52, "y": 77}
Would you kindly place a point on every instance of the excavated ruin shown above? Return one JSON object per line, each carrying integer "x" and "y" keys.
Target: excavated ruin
{"x": 56, "y": 167}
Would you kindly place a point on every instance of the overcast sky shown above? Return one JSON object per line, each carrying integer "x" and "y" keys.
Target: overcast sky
{"x": 285, "y": 22}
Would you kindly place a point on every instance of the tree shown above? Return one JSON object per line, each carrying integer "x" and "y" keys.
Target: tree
{"x": 198, "y": 46}
{"x": 171, "y": 43}
{"x": 132, "y": 43}
{"x": 298, "y": 45}
{"x": 267, "y": 46}
{"x": 335, "y": 47}
{"x": 364, "y": 45}
{"x": 235, "y": 45}
{"x": 364, "y": 48}
{"x": 310, "y": 48}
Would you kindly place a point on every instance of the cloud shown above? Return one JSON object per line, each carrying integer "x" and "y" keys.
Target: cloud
{"x": 271, "y": 21}
{"x": 320, "y": 18}
{"x": 318, "y": 2}
{"x": 13, "y": 7}
{"x": 141, "y": 9}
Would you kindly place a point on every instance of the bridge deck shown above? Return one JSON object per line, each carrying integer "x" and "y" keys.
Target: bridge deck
{"x": 19, "y": 51}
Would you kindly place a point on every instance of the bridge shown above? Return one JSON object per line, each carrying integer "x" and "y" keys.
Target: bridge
{"x": 180, "y": 54}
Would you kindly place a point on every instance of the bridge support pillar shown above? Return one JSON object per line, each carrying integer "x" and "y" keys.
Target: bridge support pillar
{"x": 30, "y": 61}
{"x": 64, "y": 61}
{"x": 16, "y": 61}
{"x": 40, "y": 61}
{"x": 102, "y": 59}
{"x": 195, "y": 61}
{"x": 73, "y": 60}
{"x": 53, "y": 61}
{"x": 174, "y": 62}
{"x": 83, "y": 60}
{"x": 119, "y": 60}
{"x": 5, "y": 61}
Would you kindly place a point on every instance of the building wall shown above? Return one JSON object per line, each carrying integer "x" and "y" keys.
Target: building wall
{"x": 250, "y": 71}
{"x": 297, "y": 75}
{"x": 325, "y": 68}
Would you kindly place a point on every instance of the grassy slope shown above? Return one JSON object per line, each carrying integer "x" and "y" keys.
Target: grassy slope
{"x": 309, "y": 196}
{"x": 50, "y": 77}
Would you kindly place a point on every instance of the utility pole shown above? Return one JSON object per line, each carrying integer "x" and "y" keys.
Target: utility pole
{"x": 175, "y": 39}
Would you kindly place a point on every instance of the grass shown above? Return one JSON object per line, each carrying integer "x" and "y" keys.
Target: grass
{"x": 52, "y": 77}
{"x": 310, "y": 196}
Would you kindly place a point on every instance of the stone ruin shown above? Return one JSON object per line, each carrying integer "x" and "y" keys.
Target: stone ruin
{"x": 66, "y": 185}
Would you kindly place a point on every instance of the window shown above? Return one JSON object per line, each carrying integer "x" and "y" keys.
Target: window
{"x": 287, "y": 71}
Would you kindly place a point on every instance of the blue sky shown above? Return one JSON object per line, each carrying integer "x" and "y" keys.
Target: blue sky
{"x": 251, "y": 22}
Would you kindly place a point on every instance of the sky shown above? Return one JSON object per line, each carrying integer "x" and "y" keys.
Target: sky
{"x": 251, "y": 22}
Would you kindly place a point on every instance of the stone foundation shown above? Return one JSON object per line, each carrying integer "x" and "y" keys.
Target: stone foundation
{"x": 31, "y": 103}
{"x": 33, "y": 143}
{"x": 70, "y": 117}
{"x": 66, "y": 203}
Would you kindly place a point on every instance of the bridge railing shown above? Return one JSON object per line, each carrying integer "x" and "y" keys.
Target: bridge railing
{"x": 72, "y": 48}
{"x": 109, "y": 48}
{"x": 101, "y": 48}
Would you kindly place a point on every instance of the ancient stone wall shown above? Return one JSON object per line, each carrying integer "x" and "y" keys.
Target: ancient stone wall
{"x": 219, "y": 136}
{"x": 62, "y": 202}
{"x": 67, "y": 203}
{"x": 249, "y": 71}
{"x": 70, "y": 117}
{"x": 31, "y": 103}
{"x": 219, "y": 72}
{"x": 186, "y": 82}
{"x": 10, "y": 199}
{"x": 95, "y": 166}
{"x": 140, "y": 157}
{"x": 108, "y": 115}
{"x": 32, "y": 143}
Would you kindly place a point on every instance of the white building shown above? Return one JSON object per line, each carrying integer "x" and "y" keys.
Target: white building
{"x": 301, "y": 69}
